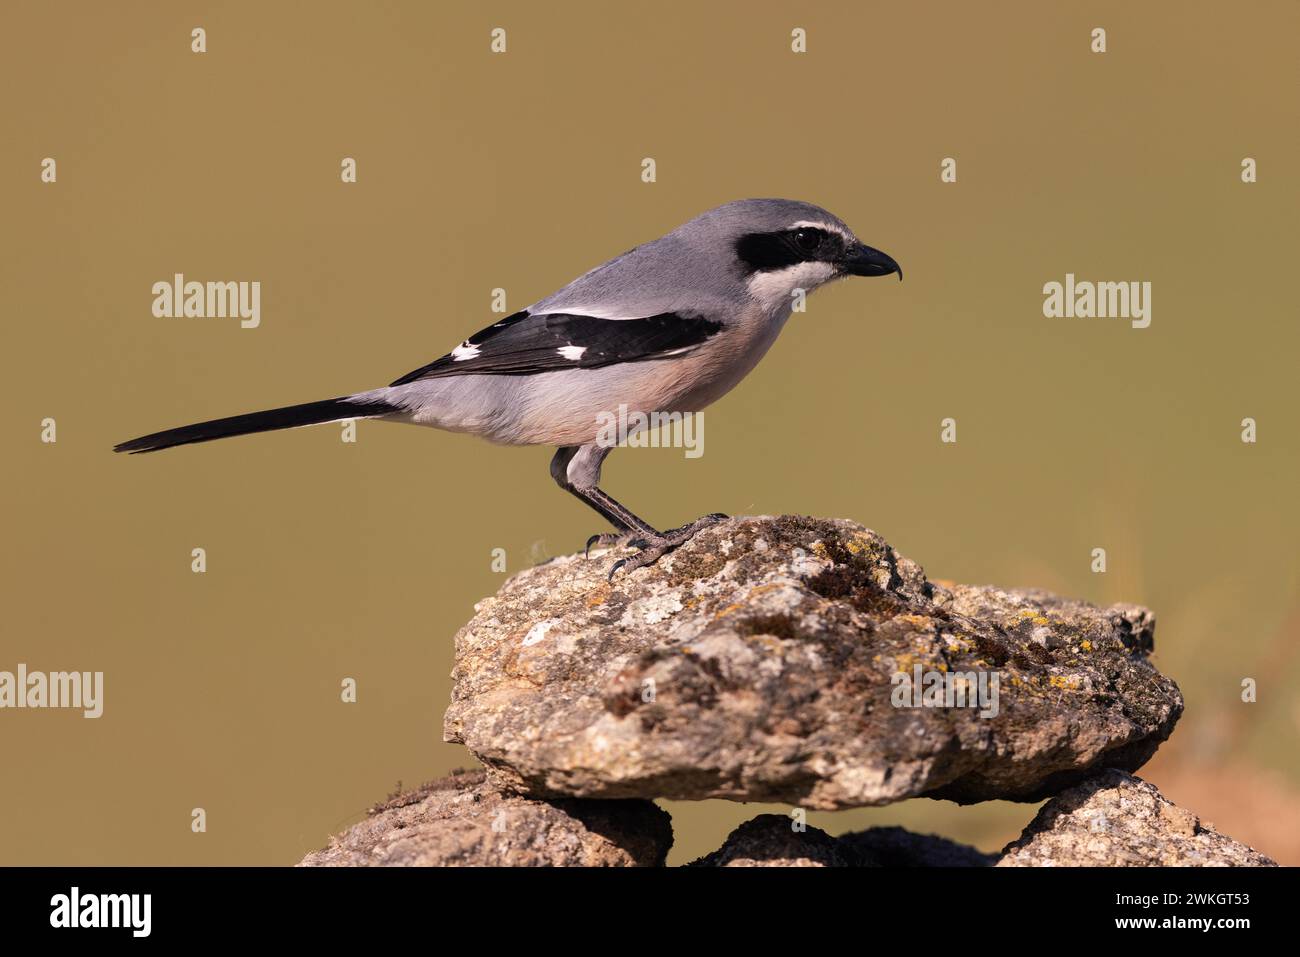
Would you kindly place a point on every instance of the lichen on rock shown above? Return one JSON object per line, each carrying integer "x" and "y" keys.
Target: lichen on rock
{"x": 759, "y": 662}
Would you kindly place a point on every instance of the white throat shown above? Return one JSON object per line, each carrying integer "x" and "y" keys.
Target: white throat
{"x": 775, "y": 289}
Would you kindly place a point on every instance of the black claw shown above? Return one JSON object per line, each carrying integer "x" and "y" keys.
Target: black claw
{"x": 650, "y": 550}
{"x": 586, "y": 552}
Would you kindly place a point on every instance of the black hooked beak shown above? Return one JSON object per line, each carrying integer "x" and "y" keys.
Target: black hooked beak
{"x": 860, "y": 260}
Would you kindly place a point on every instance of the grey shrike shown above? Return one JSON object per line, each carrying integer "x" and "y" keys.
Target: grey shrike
{"x": 667, "y": 327}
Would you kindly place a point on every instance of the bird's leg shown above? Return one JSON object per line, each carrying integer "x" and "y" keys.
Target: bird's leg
{"x": 577, "y": 470}
{"x": 651, "y": 545}
{"x": 651, "y": 549}
{"x": 630, "y": 528}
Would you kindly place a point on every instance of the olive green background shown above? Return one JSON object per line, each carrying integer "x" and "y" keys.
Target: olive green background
{"x": 520, "y": 171}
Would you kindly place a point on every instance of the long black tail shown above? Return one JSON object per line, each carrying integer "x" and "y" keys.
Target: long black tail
{"x": 310, "y": 413}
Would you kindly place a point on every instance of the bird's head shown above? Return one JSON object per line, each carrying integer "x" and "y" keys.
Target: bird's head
{"x": 780, "y": 245}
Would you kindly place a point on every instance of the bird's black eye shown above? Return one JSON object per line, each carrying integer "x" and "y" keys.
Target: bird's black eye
{"x": 807, "y": 240}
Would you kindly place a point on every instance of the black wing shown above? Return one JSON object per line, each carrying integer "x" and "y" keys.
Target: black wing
{"x": 525, "y": 344}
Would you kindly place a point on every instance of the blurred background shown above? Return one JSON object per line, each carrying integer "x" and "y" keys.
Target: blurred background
{"x": 521, "y": 170}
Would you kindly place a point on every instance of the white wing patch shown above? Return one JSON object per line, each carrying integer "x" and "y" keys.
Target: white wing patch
{"x": 464, "y": 351}
{"x": 572, "y": 352}
{"x": 595, "y": 312}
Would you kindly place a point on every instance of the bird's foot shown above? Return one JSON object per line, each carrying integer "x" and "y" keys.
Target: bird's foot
{"x": 606, "y": 540}
{"x": 650, "y": 550}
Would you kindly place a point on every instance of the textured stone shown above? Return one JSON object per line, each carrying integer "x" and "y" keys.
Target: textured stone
{"x": 755, "y": 663}
{"x": 1117, "y": 820}
{"x": 770, "y": 840}
{"x": 462, "y": 820}
{"x": 896, "y": 847}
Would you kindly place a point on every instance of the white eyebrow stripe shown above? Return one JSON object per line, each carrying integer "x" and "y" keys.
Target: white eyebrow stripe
{"x": 809, "y": 224}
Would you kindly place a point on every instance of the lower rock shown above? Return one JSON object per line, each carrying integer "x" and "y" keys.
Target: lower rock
{"x": 463, "y": 821}
{"x": 770, "y": 840}
{"x": 1117, "y": 820}
{"x": 896, "y": 847}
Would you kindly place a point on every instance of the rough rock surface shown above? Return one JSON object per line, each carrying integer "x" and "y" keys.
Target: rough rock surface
{"x": 896, "y": 847}
{"x": 755, "y": 663}
{"x": 770, "y": 840}
{"x": 462, "y": 820}
{"x": 1117, "y": 820}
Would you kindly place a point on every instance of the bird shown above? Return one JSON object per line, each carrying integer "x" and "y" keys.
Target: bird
{"x": 668, "y": 327}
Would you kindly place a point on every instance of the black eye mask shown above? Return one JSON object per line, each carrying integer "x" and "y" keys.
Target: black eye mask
{"x": 764, "y": 252}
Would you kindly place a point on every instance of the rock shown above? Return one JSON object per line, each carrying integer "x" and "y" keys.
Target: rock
{"x": 770, "y": 840}
{"x": 896, "y": 847}
{"x": 451, "y": 822}
{"x": 1116, "y": 820}
{"x": 757, "y": 663}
